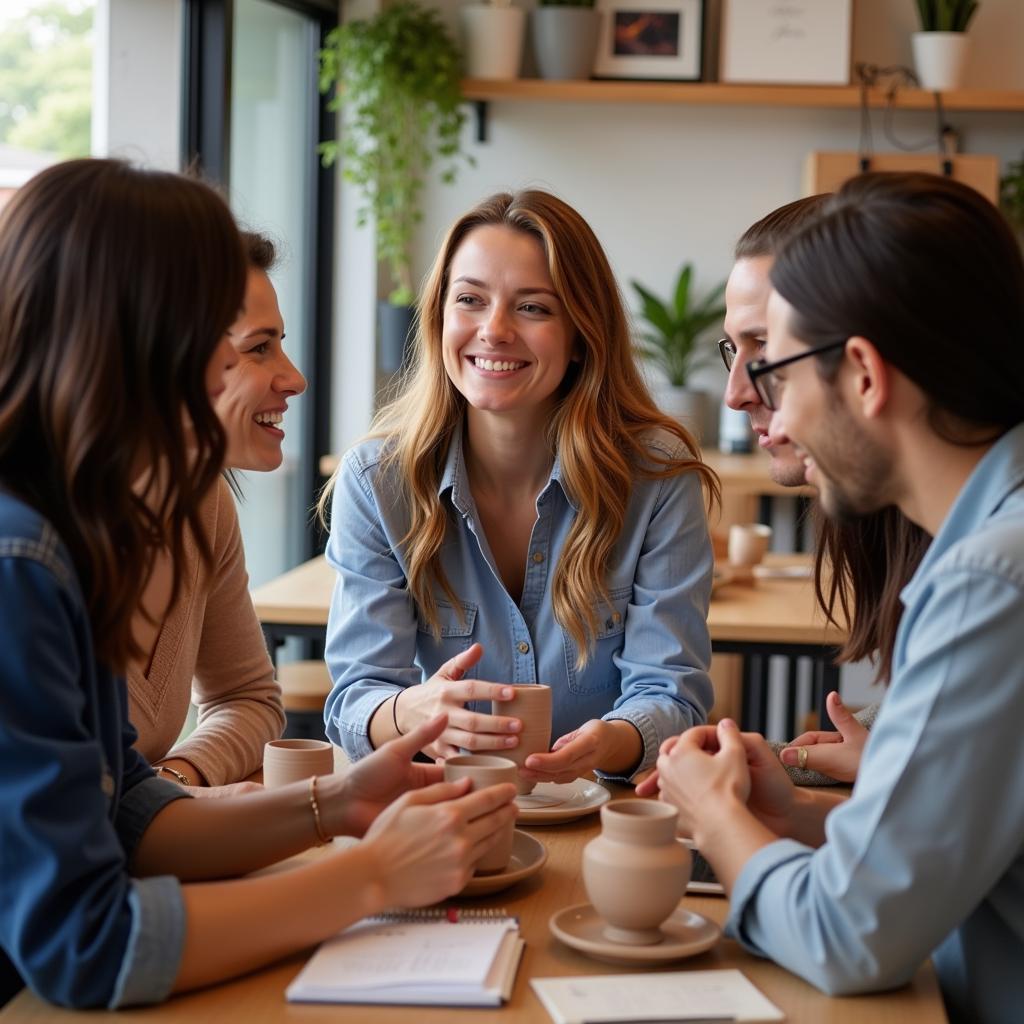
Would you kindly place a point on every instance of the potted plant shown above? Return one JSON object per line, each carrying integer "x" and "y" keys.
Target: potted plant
{"x": 940, "y": 48}
{"x": 492, "y": 38}
{"x": 397, "y": 77}
{"x": 674, "y": 342}
{"x": 564, "y": 36}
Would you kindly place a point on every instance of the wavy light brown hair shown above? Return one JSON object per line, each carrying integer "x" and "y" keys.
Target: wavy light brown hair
{"x": 116, "y": 285}
{"x": 598, "y": 427}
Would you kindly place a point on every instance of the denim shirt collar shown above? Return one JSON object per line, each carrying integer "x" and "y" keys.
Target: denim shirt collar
{"x": 455, "y": 479}
{"x": 996, "y": 476}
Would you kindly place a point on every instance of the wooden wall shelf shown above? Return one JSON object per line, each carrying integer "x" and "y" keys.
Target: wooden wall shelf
{"x": 721, "y": 94}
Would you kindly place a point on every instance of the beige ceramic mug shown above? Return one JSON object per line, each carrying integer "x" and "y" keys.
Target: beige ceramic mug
{"x": 486, "y": 770}
{"x": 532, "y": 706}
{"x": 748, "y": 544}
{"x": 287, "y": 761}
{"x": 635, "y": 872}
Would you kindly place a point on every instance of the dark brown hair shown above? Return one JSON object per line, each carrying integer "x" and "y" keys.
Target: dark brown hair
{"x": 116, "y": 285}
{"x": 766, "y": 237}
{"x": 260, "y": 251}
{"x": 928, "y": 270}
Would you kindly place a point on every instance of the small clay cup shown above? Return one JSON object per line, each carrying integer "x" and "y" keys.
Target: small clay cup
{"x": 635, "y": 872}
{"x": 532, "y": 706}
{"x": 486, "y": 770}
{"x": 286, "y": 761}
{"x": 748, "y": 544}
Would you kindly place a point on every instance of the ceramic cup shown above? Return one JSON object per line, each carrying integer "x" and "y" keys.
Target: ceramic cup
{"x": 635, "y": 872}
{"x": 286, "y": 761}
{"x": 486, "y": 770}
{"x": 748, "y": 544}
{"x": 532, "y": 706}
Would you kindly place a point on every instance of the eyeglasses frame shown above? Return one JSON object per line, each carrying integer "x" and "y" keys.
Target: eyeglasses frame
{"x": 758, "y": 368}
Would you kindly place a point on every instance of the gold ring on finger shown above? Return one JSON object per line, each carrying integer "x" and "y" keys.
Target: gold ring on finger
{"x": 801, "y": 758}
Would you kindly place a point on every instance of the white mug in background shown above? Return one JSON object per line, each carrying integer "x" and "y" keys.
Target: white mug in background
{"x": 287, "y": 761}
{"x": 748, "y": 544}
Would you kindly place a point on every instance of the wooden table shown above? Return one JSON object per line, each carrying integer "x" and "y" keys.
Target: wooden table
{"x": 759, "y": 620}
{"x": 259, "y": 998}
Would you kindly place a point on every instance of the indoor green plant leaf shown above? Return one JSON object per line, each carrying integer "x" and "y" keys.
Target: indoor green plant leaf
{"x": 398, "y": 77}
{"x": 946, "y": 15}
{"x": 674, "y": 340}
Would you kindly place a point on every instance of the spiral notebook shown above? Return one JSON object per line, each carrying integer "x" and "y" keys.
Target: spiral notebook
{"x": 436, "y": 957}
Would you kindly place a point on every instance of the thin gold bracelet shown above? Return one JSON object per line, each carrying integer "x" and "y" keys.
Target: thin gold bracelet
{"x": 323, "y": 839}
{"x": 180, "y": 777}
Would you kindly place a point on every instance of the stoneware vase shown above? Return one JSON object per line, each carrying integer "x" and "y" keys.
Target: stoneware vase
{"x": 287, "y": 761}
{"x": 564, "y": 40}
{"x": 748, "y": 544}
{"x": 492, "y": 40}
{"x": 635, "y": 872}
{"x": 486, "y": 770}
{"x": 939, "y": 59}
{"x": 532, "y": 706}
{"x": 685, "y": 405}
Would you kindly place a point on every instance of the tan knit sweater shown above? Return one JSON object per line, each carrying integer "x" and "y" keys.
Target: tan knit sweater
{"x": 210, "y": 649}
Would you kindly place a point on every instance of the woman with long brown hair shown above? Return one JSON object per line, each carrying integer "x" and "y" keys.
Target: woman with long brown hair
{"x": 116, "y": 289}
{"x": 523, "y": 508}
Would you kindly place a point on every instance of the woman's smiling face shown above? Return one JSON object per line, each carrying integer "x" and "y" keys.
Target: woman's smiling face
{"x": 507, "y": 340}
{"x": 257, "y": 388}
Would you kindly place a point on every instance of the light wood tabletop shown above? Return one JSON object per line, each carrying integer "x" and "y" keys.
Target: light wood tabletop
{"x": 259, "y": 998}
{"x": 775, "y": 610}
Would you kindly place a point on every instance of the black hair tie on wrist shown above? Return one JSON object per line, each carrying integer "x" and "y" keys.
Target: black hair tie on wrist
{"x": 394, "y": 713}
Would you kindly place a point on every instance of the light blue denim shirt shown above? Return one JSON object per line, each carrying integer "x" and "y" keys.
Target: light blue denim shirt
{"x": 75, "y": 797}
{"x": 651, "y": 653}
{"x": 927, "y": 856}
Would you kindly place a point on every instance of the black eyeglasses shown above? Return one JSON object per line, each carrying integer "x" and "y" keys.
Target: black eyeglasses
{"x": 762, "y": 373}
{"x": 727, "y": 348}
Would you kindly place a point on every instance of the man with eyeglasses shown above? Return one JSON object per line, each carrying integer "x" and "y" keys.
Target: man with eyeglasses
{"x": 855, "y": 553}
{"x": 895, "y": 360}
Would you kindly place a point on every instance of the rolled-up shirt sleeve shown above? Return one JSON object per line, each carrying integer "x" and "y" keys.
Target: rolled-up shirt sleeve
{"x": 667, "y": 648}
{"x": 78, "y": 929}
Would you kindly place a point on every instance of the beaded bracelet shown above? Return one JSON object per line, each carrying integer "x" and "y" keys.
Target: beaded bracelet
{"x": 323, "y": 839}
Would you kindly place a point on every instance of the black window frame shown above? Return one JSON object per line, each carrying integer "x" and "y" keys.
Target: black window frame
{"x": 206, "y": 147}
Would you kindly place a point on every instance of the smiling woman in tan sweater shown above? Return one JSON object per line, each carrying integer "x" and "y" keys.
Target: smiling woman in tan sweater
{"x": 207, "y": 646}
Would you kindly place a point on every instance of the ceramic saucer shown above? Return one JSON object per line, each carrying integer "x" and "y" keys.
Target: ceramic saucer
{"x": 552, "y": 802}
{"x": 686, "y": 934}
{"x": 528, "y": 857}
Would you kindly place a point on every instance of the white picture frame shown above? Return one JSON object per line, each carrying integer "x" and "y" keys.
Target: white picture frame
{"x": 652, "y": 39}
{"x": 786, "y": 42}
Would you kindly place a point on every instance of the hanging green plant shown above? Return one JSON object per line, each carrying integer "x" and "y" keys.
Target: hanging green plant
{"x": 397, "y": 77}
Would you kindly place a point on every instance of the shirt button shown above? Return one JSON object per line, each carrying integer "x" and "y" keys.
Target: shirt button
{"x": 538, "y": 556}
{"x": 523, "y": 647}
{"x": 616, "y": 617}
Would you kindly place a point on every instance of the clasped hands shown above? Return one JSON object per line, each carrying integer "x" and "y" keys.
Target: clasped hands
{"x": 448, "y": 691}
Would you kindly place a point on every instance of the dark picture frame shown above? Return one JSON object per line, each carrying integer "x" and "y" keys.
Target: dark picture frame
{"x": 661, "y": 40}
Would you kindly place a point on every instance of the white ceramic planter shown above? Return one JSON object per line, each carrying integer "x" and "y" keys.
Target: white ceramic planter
{"x": 492, "y": 40}
{"x": 939, "y": 59}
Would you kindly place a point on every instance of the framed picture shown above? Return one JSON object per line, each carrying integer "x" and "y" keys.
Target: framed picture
{"x": 799, "y": 42}
{"x": 660, "y": 39}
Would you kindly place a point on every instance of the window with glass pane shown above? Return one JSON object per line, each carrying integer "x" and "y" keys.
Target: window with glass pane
{"x": 272, "y": 147}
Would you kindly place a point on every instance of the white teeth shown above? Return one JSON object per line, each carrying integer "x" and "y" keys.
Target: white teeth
{"x": 499, "y": 365}
{"x": 269, "y": 418}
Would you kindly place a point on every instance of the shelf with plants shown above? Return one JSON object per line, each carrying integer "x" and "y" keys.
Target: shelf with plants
{"x": 482, "y": 90}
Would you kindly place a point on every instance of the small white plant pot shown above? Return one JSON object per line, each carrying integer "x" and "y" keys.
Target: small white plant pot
{"x": 492, "y": 40}
{"x": 940, "y": 59}
{"x": 689, "y": 407}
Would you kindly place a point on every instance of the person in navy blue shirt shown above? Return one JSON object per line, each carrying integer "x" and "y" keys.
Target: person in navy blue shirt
{"x": 116, "y": 288}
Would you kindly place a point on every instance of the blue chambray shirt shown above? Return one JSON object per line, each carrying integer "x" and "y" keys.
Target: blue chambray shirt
{"x": 75, "y": 797}
{"x": 927, "y": 856}
{"x": 649, "y": 664}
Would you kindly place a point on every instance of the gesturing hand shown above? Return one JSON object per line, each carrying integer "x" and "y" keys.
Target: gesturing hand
{"x": 446, "y": 693}
{"x": 572, "y": 755}
{"x": 369, "y": 785}
{"x": 836, "y": 754}
{"x": 427, "y": 843}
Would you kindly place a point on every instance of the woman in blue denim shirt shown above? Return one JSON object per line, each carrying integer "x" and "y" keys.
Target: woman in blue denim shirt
{"x": 522, "y": 514}
{"x": 116, "y": 288}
